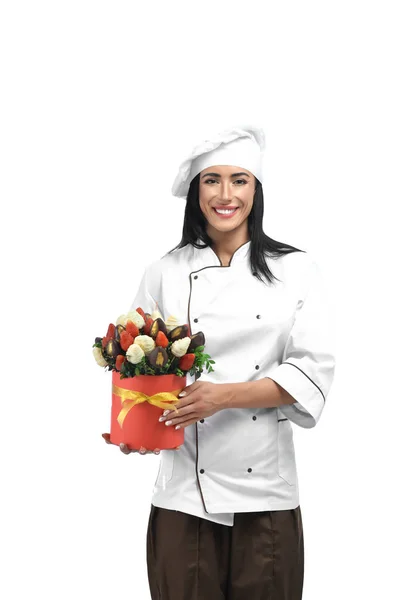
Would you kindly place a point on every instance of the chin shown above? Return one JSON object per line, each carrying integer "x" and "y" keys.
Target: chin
{"x": 226, "y": 228}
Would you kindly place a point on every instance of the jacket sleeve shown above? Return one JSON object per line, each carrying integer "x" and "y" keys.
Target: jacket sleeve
{"x": 146, "y": 294}
{"x": 308, "y": 365}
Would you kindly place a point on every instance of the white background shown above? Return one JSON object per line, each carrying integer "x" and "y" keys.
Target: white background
{"x": 100, "y": 101}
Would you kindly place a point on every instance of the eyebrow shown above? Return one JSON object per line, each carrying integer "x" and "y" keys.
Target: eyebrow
{"x": 218, "y": 175}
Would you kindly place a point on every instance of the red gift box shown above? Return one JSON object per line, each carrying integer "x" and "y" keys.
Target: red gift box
{"x": 138, "y": 403}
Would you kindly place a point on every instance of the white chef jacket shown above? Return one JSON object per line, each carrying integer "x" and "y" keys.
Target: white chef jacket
{"x": 243, "y": 459}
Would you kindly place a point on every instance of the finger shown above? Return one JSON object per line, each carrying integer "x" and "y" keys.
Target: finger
{"x": 124, "y": 448}
{"x": 183, "y": 420}
{"x": 185, "y": 406}
{"x": 183, "y": 417}
{"x": 187, "y": 423}
{"x": 182, "y": 409}
{"x": 189, "y": 389}
{"x": 106, "y": 436}
{"x": 156, "y": 450}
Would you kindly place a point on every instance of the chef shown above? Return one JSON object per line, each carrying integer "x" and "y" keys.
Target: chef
{"x": 225, "y": 519}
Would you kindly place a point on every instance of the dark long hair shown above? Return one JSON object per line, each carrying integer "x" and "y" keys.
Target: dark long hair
{"x": 261, "y": 247}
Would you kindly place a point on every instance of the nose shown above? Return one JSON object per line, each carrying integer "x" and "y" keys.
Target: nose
{"x": 226, "y": 193}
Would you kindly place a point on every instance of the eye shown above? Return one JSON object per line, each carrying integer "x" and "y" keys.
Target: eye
{"x": 242, "y": 180}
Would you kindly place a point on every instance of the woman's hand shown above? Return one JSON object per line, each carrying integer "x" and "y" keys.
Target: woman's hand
{"x": 124, "y": 448}
{"x": 202, "y": 399}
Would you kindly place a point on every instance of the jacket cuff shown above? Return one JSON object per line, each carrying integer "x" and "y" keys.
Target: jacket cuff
{"x": 309, "y": 404}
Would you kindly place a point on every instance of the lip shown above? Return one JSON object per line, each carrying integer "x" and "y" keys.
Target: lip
{"x": 225, "y": 207}
{"x": 227, "y": 216}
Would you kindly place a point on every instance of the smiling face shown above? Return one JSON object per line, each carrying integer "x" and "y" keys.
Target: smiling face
{"x": 224, "y": 187}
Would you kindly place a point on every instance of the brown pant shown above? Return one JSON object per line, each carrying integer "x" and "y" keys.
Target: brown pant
{"x": 261, "y": 557}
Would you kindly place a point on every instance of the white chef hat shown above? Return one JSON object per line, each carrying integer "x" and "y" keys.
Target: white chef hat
{"x": 241, "y": 146}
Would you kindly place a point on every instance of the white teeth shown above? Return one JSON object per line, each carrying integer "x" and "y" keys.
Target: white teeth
{"x": 225, "y": 212}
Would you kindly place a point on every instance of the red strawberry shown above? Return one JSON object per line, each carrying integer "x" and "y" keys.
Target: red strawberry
{"x": 119, "y": 361}
{"x": 186, "y": 362}
{"x": 110, "y": 331}
{"x": 131, "y": 328}
{"x": 147, "y": 325}
{"x": 161, "y": 339}
{"x": 141, "y": 312}
{"x": 104, "y": 341}
{"x": 125, "y": 340}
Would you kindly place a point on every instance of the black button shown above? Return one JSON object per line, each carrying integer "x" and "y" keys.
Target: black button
{"x": 201, "y": 470}
{"x": 201, "y": 420}
{"x": 258, "y": 316}
{"x": 195, "y": 320}
{"x": 249, "y": 470}
{"x": 195, "y": 277}
{"x": 257, "y": 366}
{"x": 254, "y": 418}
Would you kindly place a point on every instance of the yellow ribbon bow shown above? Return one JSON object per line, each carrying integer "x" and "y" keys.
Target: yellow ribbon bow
{"x": 129, "y": 399}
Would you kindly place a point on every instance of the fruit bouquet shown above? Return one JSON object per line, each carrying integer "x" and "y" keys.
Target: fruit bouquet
{"x": 149, "y": 358}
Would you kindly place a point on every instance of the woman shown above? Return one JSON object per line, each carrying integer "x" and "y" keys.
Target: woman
{"x": 225, "y": 520}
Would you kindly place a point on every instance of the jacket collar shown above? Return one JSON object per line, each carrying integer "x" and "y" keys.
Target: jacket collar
{"x": 206, "y": 257}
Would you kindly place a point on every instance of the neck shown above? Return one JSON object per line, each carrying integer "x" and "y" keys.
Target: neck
{"x": 225, "y": 244}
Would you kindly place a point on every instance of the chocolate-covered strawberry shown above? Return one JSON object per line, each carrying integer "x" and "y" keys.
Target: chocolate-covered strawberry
{"x": 157, "y": 325}
{"x": 197, "y": 340}
{"x": 98, "y": 340}
{"x": 177, "y": 333}
{"x": 118, "y": 330}
{"x": 113, "y": 348}
{"x": 158, "y": 357}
